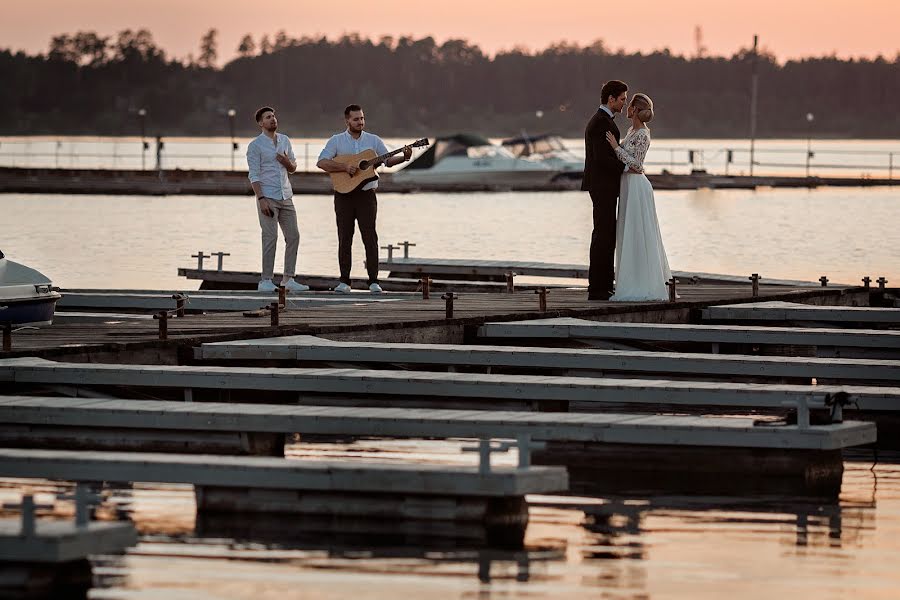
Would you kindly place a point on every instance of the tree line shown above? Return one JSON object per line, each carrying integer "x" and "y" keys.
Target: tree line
{"x": 97, "y": 85}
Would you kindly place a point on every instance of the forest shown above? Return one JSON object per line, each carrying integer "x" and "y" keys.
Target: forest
{"x": 88, "y": 84}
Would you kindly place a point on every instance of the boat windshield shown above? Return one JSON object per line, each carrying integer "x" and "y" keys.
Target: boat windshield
{"x": 543, "y": 145}
{"x": 488, "y": 152}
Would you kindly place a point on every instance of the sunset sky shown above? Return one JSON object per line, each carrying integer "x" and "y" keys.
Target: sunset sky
{"x": 787, "y": 28}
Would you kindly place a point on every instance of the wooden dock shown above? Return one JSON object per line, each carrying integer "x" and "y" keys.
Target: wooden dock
{"x": 438, "y": 390}
{"x": 126, "y": 416}
{"x": 308, "y": 349}
{"x": 822, "y": 341}
{"x": 410, "y": 320}
{"x": 793, "y": 312}
{"x": 491, "y": 496}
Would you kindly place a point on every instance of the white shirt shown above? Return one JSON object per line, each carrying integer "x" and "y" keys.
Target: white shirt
{"x": 344, "y": 143}
{"x": 266, "y": 170}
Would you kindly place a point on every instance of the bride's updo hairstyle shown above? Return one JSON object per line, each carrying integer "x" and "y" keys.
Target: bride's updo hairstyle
{"x": 643, "y": 107}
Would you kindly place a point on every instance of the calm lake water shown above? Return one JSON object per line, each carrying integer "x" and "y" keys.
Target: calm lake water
{"x": 632, "y": 546}
{"x": 646, "y": 544}
{"x": 140, "y": 241}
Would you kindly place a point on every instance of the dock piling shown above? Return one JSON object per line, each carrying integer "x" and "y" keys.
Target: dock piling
{"x": 484, "y": 449}
{"x": 671, "y": 284}
{"x": 426, "y": 285}
{"x": 449, "y": 297}
{"x": 179, "y": 304}
{"x": 882, "y": 283}
{"x": 755, "y": 279}
{"x": 824, "y": 280}
{"x": 28, "y": 507}
{"x": 390, "y": 250}
{"x": 542, "y": 298}
{"x": 867, "y": 282}
{"x": 525, "y": 445}
{"x": 200, "y": 256}
{"x": 282, "y": 295}
{"x": 406, "y": 244}
{"x": 220, "y": 255}
{"x": 273, "y": 312}
{"x": 7, "y": 337}
{"x": 163, "y": 318}
{"x": 510, "y": 282}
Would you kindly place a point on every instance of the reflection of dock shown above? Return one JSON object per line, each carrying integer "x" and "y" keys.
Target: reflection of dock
{"x": 223, "y": 183}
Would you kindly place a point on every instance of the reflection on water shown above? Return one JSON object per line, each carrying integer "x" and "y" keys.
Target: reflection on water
{"x": 139, "y": 242}
{"x": 655, "y": 544}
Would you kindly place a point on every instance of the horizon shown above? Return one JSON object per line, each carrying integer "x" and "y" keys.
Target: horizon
{"x": 788, "y": 31}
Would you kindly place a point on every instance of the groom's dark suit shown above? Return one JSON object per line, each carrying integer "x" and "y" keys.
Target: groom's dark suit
{"x": 602, "y": 175}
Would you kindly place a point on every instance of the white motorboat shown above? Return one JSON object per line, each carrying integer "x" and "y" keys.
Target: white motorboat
{"x": 548, "y": 149}
{"x": 26, "y": 295}
{"x": 468, "y": 160}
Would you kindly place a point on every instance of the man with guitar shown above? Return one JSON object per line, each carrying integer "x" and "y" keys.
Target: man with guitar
{"x": 359, "y": 204}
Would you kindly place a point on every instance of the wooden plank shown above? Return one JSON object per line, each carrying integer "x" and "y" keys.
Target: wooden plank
{"x": 499, "y": 268}
{"x": 677, "y": 430}
{"x": 428, "y": 387}
{"x": 63, "y": 541}
{"x": 217, "y": 302}
{"x": 276, "y": 473}
{"x": 572, "y": 328}
{"x": 311, "y": 348}
{"x": 792, "y": 311}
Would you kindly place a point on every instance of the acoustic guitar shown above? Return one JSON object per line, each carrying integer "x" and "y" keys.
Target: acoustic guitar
{"x": 365, "y": 162}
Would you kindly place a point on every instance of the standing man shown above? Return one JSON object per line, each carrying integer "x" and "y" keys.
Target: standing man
{"x": 602, "y": 176}
{"x": 270, "y": 158}
{"x": 360, "y": 205}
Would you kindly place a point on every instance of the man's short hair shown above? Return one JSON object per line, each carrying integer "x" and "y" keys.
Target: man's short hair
{"x": 612, "y": 88}
{"x": 350, "y": 109}
{"x": 263, "y": 111}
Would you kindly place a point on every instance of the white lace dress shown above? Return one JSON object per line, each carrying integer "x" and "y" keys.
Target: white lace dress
{"x": 642, "y": 268}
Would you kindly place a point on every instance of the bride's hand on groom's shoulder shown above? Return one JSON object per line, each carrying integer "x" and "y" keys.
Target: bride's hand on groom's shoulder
{"x": 612, "y": 140}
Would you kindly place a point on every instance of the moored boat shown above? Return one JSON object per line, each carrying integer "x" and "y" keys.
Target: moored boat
{"x": 26, "y": 295}
{"x": 471, "y": 160}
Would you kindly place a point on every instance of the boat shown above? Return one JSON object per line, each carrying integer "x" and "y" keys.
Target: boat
{"x": 547, "y": 148}
{"x": 26, "y": 295}
{"x": 468, "y": 161}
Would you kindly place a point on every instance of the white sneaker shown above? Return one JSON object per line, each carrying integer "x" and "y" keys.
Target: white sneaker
{"x": 293, "y": 286}
{"x": 266, "y": 285}
{"x": 375, "y": 288}
{"x": 342, "y": 288}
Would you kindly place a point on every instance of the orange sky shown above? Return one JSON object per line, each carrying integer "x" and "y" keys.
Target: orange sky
{"x": 787, "y": 28}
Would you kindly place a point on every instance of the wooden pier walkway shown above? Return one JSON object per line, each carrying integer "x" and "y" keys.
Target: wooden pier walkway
{"x": 430, "y": 389}
{"x": 826, "y": 342}
{"x": 413, "y": 319}
{"x": 312, "y": 349}
{"x": 790, "y": 312}
{"x": 112, "y": 418}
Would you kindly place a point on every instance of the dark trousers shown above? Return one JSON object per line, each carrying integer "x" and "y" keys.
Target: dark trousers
{"x": 358, "y": 206}
{"x": 603, "y": 240}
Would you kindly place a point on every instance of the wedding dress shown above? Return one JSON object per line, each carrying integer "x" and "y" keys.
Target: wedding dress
{"x": 642, "y": 268}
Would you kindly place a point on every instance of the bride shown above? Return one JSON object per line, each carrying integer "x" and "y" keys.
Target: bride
{"x": 642, "y": 269}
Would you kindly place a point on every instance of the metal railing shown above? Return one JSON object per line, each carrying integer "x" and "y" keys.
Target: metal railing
{"x": 220, "y": 154}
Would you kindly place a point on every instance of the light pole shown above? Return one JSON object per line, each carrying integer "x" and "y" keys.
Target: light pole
{"x": 809, "y": 121}
{"x": 231, "y": 114}
{"x": 142, "y": 116}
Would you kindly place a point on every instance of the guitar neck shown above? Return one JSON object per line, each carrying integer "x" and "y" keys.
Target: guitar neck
{"x": 383, "y": 157}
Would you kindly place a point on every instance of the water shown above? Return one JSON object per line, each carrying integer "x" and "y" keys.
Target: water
{"x": 646, "y": 544}
{"x": 140, "y": 241}
{"x": 625, "y": 546}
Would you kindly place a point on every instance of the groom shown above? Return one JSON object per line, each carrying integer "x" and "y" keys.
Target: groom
{"x": 602, "y": 174}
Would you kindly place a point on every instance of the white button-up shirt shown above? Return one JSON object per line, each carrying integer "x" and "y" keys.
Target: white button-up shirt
{"x": 266, "y": 170}
{"x": 344, "y": 143}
